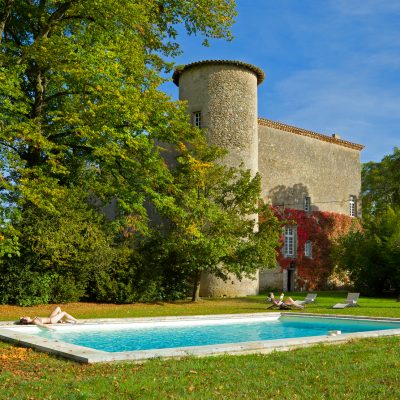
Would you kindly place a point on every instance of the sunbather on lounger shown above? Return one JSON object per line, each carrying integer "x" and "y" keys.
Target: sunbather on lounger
{"x": 280, "y": 303}
{"x": 56, "y": 316}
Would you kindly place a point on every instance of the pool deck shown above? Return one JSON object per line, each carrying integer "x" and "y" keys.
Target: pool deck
{"x": 22, "y": 335}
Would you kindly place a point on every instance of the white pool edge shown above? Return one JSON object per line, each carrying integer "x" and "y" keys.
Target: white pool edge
{"x": 87, "y": 355}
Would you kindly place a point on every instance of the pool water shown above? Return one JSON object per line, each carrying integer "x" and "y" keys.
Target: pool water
{"x": 161, "y": 337}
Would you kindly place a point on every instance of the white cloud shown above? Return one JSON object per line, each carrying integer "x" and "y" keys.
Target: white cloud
{"x": 366, "y": 7}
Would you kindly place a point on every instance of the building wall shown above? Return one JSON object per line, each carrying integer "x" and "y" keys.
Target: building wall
{"x": 295, "y": 163}
{"x": 293, "y": 166}
{"x": 225, "y": 93}
{"x": 226, "y": 96}
{"x": 271, "y": 278}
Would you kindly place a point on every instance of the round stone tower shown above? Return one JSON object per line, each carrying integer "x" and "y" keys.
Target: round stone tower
{"x": 222, "y": 98}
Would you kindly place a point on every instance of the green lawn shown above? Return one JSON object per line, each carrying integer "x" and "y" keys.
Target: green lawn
{"x": 363, "y": 369}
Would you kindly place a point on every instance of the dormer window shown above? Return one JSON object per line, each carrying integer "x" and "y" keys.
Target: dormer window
{"x": 197, "y": 119}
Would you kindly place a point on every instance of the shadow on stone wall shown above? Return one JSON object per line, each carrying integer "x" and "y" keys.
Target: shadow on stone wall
{"x": 290, "y": 196}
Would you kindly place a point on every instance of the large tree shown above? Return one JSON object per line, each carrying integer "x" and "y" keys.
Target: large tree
{"x": 79, "y": 101}
{"x": 81, "y": 119}
{"x": 371, "y": 254}
{"x": 215, "y": 227}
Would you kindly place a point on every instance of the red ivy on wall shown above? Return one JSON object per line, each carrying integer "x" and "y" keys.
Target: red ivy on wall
{"x": 321, "y": 228}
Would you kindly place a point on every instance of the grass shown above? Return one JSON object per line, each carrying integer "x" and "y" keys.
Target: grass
{"x": 369, "y": 306}
{"x": 363, "y": 369}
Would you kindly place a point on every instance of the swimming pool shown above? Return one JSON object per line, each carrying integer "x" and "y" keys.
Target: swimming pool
{"x": 202, "y": 335}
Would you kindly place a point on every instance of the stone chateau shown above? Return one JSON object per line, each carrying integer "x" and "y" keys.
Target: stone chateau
{"x": 303, "y": 172}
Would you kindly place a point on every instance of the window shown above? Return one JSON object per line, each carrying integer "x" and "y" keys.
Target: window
{"x": 289, "y": 244}
{"x": 353, "y": 206}
{"x": 197, "y": 119}
{"x": 307, "y": 204}
{"x": 308, "y": 249}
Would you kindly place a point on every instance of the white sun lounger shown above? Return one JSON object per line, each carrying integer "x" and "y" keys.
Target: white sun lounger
{"x": 310, "y": 298}
{"x": 351, "y": 301}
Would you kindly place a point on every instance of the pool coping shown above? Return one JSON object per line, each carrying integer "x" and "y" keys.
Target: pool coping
{"x": 87, "y": 355}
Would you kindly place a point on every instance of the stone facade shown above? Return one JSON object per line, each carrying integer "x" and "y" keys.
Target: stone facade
{"x": 294, "y": 163}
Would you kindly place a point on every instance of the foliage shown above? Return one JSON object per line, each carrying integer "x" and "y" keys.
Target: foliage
{"x": 59, "y": 253}
{"x": 137, "y": 276}
{"x": 322, "y": 229}
{"x": 80, "y": 104}
{"x": 214, "y": 228}
{"x": 381, "y": 183}
{"x": 372, "y": 255}
{"x": 82, "y": 122}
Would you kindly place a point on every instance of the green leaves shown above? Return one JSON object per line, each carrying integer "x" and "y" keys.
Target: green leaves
{"x": 371, "y": 255}
{"x": 85, "y": 132}
{"x": 381, "y": 183}
{"x": 79, "y": 99}
{"x": 214, "y": 229}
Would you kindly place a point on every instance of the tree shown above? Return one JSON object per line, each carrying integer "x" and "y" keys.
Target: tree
{"x": 381, "y": 183}
{"x": 214, "y": 227}
{"x": 81, "y": 117}
{"x": 80, "y": 103}
{"x": 371, "y": 255}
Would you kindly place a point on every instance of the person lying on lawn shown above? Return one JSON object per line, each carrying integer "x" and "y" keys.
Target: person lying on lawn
{"x": 288, "y": 303}
{"x": 56, "y": 316}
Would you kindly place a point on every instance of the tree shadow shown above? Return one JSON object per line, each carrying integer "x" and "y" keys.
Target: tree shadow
{"x": 291, "y": 196}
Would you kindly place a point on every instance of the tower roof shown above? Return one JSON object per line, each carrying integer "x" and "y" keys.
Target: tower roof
{"x": 180, "y": 69}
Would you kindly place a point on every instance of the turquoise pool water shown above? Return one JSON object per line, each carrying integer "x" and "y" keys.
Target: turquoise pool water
{"x": 146, "y": 338}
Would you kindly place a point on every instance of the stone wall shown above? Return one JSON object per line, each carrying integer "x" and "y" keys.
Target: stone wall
{"x": 226, "y": 96}
{"x": 293, "y": 166}
{"x": 225, "y": 93}
{"x": 271, "y": 278}
{"x": 295, "y": 163}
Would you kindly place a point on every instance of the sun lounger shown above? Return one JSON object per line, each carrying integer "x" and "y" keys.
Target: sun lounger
{"x": 282, "y": 306}
{"x": 351, "y": 301}
{"x": 310, "y": 298}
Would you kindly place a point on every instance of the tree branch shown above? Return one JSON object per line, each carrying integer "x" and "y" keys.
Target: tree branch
{"x": 2, "y": 143}
{"x": 54, "y": 18}
{"x": 4, "y": 17}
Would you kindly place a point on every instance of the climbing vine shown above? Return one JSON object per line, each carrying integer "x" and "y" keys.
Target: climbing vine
{"x": 321, "y": 228}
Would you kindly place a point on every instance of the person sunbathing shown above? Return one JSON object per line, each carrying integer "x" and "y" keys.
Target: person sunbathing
{"x": 288, "y": 303}
{"x": 56, "y": 316}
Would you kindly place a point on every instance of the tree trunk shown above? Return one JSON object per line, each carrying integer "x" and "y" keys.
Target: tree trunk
{"x": 196, "y": 286}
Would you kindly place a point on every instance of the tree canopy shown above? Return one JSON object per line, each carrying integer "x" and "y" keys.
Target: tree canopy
{"x": 80, "y": 104}
{"x": 381, "y": 183}
{"x": 92, "y": 162}
{"x": 371, "y": 254}
{"x": 216, "y": 230}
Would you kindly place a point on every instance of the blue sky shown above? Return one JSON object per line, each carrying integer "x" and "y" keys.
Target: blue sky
{"x": 332, "y": 66}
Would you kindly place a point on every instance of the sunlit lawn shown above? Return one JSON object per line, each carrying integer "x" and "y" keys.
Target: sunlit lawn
{"x": 384, "y": 307}
{"x": 364, "y": 369}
